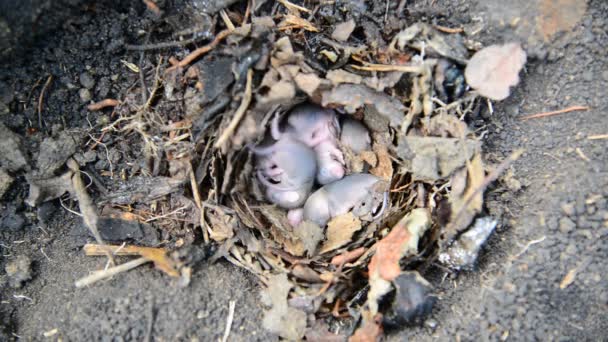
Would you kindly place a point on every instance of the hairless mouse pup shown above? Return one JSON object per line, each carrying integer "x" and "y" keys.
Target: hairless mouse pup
{"x": 318, "y": 128}
{"x": 355, "y": 135}
{"x": 357, "y": 193}
{"x": 287, "y": 170}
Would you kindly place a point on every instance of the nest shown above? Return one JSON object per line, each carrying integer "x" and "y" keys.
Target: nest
{"x": 194, "y": 180}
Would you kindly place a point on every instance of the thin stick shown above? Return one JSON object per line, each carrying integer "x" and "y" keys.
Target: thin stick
{"x": 112, "y": 271}
{"x": 561, "y": 111}
{"x": 231, "y": 307}
{"x": 89, "y": 215}
{"x": 489, "y": 179}
{"x": 227, "y": 20}
{"x": 41, "y": 98}
{"x": 202, "y": 50}
{"x": 387, "y": 67}
{"x": 198, "y": 202}
{"x": 240, "y": 112}
{"x": 598, "y": 137}
{"x": 449, "y": 29}
{"x": 293, "y": 7}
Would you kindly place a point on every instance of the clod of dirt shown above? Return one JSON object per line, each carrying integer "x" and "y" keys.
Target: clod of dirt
{"x": 10, "y": 219}
{"x": 282, "y": 319}
{"x": 411, "y": 303}
{"x": 42, "y": 190}
{"x": 462, "y": 254}
{"x": 12, "y": 157}
{"x": 86, "y": 80}
{"x": 113, "y": 229}
{"x": 54, "y": 152}
{"x": 432, "y": 158}
{"x": 5, "y": 181}
{"x": 494, "y": 69}
{"x": 19, "y": 271}
{"x": 211, "y": 6}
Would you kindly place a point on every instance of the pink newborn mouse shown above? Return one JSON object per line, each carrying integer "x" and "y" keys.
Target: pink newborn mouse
{"x": 356, "y": 193}
{"x": 287, "y": 169}
{"x": 318, "y": 128}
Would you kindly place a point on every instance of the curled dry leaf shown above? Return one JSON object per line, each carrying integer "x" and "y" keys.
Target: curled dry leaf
{"x": 492, "y": 70}
{"x": 340, "y": 231}
{"x": 384, "y": 167}
{"x": 401, "y": 241}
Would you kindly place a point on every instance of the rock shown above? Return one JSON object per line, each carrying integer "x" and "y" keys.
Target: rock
{"x": 12, "y": 157}
{"x": 11, "y": 220}
{"x": 5, "y": 182}
{"x": 566, "y": 225}
{"x": 85, "y": 95}
{"x": 19, "y": 271}
{"x": 54, "y": 152}
{"x": 568, "y": 209}
{"x": 412, "y": 302}
{"x": 86, "y": 80}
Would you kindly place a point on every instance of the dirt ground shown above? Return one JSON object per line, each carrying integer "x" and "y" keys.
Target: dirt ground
{"x": 553, "y": 212}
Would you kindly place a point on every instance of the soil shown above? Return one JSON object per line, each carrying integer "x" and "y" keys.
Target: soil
{"x": 553, "y": 211}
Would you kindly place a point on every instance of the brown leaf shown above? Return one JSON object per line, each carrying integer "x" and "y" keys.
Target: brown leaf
{"x": 492, "y": 70}
{"x": 384, "y": 168}
{"x": 157, "y": 255}
{"x": 401, "y": 241}
{"x": 340, "y": 231}
{"x": 310, "y": 234}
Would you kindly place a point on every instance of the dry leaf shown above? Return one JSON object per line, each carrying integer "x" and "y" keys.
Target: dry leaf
{"x": 401, "y": 241}
{"x": 282, "y": 319}
{"x": 492, "y": 70}
{"x": 340, "y": 231}
{"x": 292, "y": 22}
{"x": 348, "y": 256}
{"x": 461, "y": 217}
{"x": 343, "y": 30}
{"x": 310, "y": 234}
{"x": 339, "y": 76}
{"x": 384, "y": 168}
{"x": 308, "y": 83}
{"x": 568, "y": 279}
{"x": 157, "y": 255}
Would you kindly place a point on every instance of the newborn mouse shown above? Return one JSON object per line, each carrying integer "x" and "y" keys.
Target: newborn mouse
{"x": 357, "y": 193}
{"x": 287, "y": 169}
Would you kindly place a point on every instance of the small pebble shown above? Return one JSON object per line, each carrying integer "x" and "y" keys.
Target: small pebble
{"x": 566, "y": 225}
{"x": 568, "y": 209}
{"x": 85, "y": 95}
{"x": 86, "y": 80}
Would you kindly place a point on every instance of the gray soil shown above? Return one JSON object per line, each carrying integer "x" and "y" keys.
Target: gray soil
{"x": 556, "y": 223}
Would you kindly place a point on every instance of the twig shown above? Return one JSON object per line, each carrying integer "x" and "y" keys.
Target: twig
{"x": 164, "y": 45}
{"x": 112, "y": 271}
{"x": 202, "y": 50}
{"x": 489, "y": 179}
{"x": 581, "y": 154}
{"x": 226, "y": 20}
{"x": 561, "y": 111}
{"x": 533, "y": 242}
{"x": 103, "y": 104}
{"x": 231, "y": 307}
{"x": 148, "y": 337}
{"x": 293, "y": 7}
{"x": 89, "y": 215}
{"x": 388, "y": 67}
{"x": 198, "y": 202}
{"x": 598, "y": 137}
{"x": 238, "y": 115}
{"x": 41, "y": 98}
{"x": 449, "y": 29}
